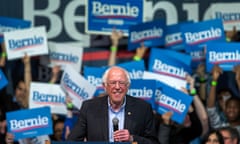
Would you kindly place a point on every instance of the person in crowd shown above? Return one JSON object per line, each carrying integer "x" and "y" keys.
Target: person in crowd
{"x": 216, "y": 100}
{"x": 20, "y": 101}
{"x": 58, "y": 126}
{"x": 213, "y": 137}
{"x": 230, "y": 105}
{"x": 116, "y": 117}
{"x": 194, "y": 126}
{"x": 230, "y": 135}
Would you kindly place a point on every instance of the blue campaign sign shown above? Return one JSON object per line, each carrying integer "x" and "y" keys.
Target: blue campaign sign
{"x": 9, "y": 24}
{"x": 29, "y": 123}
{"x": 171, "y": 64}
{"x": 150, "y": 33}
{"x": 134, "y": 68}
{"x": 3, "y": 80}
{"x": 143, "y": 89}
{"x": 198, "y": 56}
{"x": 170, "y": 99}
{"x": 197, "y": 34}
{"x": 226, "y": 55}
{"x": 183, "y": 57}
{"x": 105, "y": 15}
{"x": 94, "y": 76}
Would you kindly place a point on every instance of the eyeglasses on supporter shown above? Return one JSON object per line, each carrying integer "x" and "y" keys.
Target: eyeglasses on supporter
{"x": 120, "y": 83}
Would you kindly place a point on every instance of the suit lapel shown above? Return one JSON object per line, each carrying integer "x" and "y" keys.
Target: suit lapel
{"x": 128, "y": 113}
{"x": 104, "y": 123}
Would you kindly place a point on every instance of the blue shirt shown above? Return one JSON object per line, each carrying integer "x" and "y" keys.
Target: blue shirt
{"x": 118, "y": 114}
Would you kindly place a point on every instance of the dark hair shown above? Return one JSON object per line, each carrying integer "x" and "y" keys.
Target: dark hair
{"x": 233, "y": 99}
{"x": 218, "y": 134}
{"x": 233, "y": 132}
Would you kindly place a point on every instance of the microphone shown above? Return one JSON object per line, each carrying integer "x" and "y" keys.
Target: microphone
{"x": 115, "y": 123}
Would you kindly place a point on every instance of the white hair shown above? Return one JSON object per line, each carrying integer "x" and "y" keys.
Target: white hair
{"x": 105, "y": 75}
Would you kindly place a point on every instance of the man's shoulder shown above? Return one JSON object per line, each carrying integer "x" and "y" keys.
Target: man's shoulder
{"x": 96, "y": 99}
{"x": 135, "y": 100}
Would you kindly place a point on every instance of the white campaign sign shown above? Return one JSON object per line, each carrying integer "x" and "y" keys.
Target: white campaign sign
{"x": 65, "y": 54}
{"x": 76, "y": 86}
{"x": 44, "y": 94}
{"x": 32, "y": 41}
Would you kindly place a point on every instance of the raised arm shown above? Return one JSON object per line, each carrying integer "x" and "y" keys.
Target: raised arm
{"x": 27, "y": 75}
{"x": 216, "y": 72}
{"x": 115, "y": 37}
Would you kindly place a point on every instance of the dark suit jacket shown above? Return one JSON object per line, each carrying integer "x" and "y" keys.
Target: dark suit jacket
{"x": 93, "y": 121}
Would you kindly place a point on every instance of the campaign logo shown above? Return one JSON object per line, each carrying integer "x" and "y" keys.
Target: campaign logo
{"x": 173, "y": 39}
{"x": 43, "y": 98}
{"x": 74, "y": 88}
{"x": 228, "y": 16}
{"x": 103, "y": 15}
{"x": 155, "y": 32}
{"x": 143, "y": 89}
{"x": 19, "y": 44}
{"x": 226, "y": 55}
{"x": 193, "y": 38}
{"x": 150, "y": 33}
{"x": 170, "y": 70}
{"x": 30, "y": 122}
{"x": 169, "y": 99}
{"x": 197, "y": 34}
{"x": 68, "y": 58}
{"x": 107, "y": 10}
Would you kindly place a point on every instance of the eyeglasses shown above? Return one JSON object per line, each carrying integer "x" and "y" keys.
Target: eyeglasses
{"x": 120, "y": 83}
{"x": 226, "y": 138}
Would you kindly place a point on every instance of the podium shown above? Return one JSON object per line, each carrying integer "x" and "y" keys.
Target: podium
{"x": 66, "y": 142}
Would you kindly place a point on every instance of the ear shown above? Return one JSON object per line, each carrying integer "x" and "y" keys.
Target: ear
{"x": 104, "y": 86}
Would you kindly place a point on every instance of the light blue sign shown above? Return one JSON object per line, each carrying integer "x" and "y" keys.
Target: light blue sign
{"x": 29, "y": 123}
{"x": 169, "y": 99}
{"x": 105, "y": 15}
{"x": 225, "y": 55}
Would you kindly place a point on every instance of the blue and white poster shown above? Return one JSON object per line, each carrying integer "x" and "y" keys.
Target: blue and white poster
{"x": 29, "y": 122}
{"x": 8, "y": 24}
{"x": 197, "y": 34}
{"x": 134, "y": 68}
{"x": 225, "y": 55}
{"x": 94, "y": 76}
{"x": 164, "y": 62}
{"x": 143, "y": 89}
{"x": 45, "y": 94}
{"x": 151, "y": 34}
{"x": 76, "y": 86}
{"x": 102, "y": 16}
{"x": 173, "y": 37}
{"x": 168, "y": 99}
{"x": 229, "y": 13}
